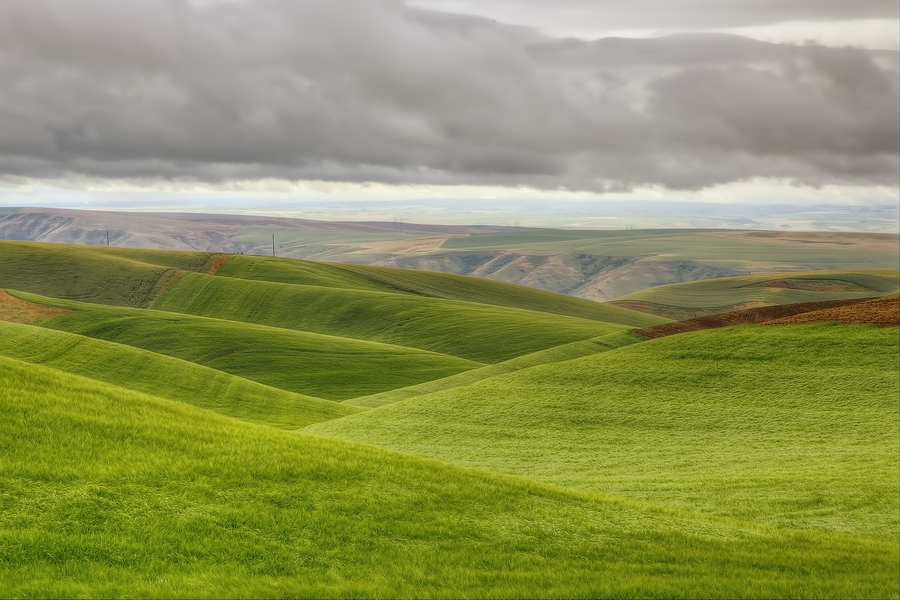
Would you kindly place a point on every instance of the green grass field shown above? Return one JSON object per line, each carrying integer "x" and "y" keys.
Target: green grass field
{"x": 318, "y": 365}
{"x": 793, "y": 426}
{"x": 107, "y": 492}
{"x": 165, "y": 377}
{"x": 179, "y": 426}
{"x": 474, "y": 331}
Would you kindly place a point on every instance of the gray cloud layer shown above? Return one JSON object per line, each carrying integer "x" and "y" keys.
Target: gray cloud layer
{"x": 370, "y": 90}
{"x": 672, "y": 14}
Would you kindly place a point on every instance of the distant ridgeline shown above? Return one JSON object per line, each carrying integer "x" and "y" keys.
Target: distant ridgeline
{"x": 597, "y": 264}
{"x": 208, "y": 424}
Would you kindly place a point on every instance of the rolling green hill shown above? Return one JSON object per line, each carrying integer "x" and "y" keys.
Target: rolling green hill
{"x": 135, "y": 277}
{"x": 108, "y": 492}
{"x": 476, "y": 332}
{"x": 317, "y": 365}
{"x": 197, "y": 424}
{"x": 165, "y": 377}
{"x": 699, "y": 298}
{"x": 556, "y": 354}
{"x": 794, "y": 426}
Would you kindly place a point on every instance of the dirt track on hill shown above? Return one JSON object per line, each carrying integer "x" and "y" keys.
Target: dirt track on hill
{"x": 882, "y": 311}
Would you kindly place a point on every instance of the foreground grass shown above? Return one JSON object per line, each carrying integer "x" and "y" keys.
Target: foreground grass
{"x": 108, "y": 492}
{"x": 795, "y": 426}
{"x": 165, "y": 377}
{"x": 307, "y": 363}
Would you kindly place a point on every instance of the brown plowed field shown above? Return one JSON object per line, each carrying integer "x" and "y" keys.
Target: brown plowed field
{"x": 788, "y": 313}
{"x": 16, "y": 310}
{"x": 884, "y": 311}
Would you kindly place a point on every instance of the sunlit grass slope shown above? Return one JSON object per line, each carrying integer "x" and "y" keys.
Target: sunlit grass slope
{"x": 107, "y": 492}
{"x": 117, "y": 276}
{"x": 307, "y": 363}
{"x": 558, "y": 354}
{"x": 424, "y": 283}
{"x": 774, "y": 288}
{"x": 165, "y": 377}
{"x": 796, "y": 426}
{"x": 473, "y": 331}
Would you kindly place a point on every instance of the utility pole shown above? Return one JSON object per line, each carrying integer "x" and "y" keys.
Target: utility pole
{"x": 107, "y": 238}
{"x": 273, "y": 245}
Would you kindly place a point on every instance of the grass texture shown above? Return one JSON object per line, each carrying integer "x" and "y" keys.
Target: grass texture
{"x": 797, "y": 427}
{"x": 317, "y": 365}
{"x": 165, "y": 377}
{"x": 108, "y": 492}
{"x": 476, "y": 332}
{"x": 558, "y": 354}
{"x": 117, "y": 276}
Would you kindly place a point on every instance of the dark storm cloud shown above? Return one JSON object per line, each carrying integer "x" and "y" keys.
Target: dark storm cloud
{"x": 369, "y": 90}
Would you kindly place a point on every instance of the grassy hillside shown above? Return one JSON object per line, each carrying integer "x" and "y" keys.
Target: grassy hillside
{"x": 117, "y": 276}
{"x": 313, "y": 364}
{"x": 107, "y": 492}
{"x": 135, "y": 277}
{"x": 473, "y": 331}
{"x": 164, "y": 377}
{"x": 794, "y": 426}
{"x": 561, "y": 353}
{"x": 696, "y": 298}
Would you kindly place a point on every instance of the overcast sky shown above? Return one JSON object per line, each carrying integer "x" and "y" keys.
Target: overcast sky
{"x": 469, "y": 95}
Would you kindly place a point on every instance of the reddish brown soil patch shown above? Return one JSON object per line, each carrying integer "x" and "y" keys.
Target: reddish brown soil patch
{"x": 765, "y": 314}
{"x": 16, "y": 310}
{"x": 883, "y": 311}
{"x": 217, "y": 263}
{"x": 814, "y": 285}
{"x": 679, "y": 313}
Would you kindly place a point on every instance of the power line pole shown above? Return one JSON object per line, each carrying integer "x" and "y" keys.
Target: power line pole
{"x": 273, "y": 245}
{"x": 107, "y": 238}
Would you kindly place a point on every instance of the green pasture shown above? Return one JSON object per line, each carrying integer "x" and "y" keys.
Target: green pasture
{"x": 730, "y": 291}
{"x": 797, "y": 427}
{"x": 165, "y": 377}
{"x": 476, "y": 332}
{"x": 298, "y": 429}
{"x": 118, "y": 276}
{"x": 313, "y": 364}
{"x": 108, "y": 492}
{"x": 556, "y": 354}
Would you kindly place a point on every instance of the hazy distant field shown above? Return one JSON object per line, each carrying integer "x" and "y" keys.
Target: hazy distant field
{"x": 598, "y": 264}
{"x": 200, "y": 424}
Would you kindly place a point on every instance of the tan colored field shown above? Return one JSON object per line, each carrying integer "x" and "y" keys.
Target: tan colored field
{"x": 15, "y": 310}
{"x": 883, "y": 311}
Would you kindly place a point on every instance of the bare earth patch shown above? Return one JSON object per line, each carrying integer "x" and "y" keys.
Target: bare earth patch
{"x": 883, "y": 311}
{"x": 16, "y": 310}
{"x": 217, "y": 263}
{"x": 781, "y": 314}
